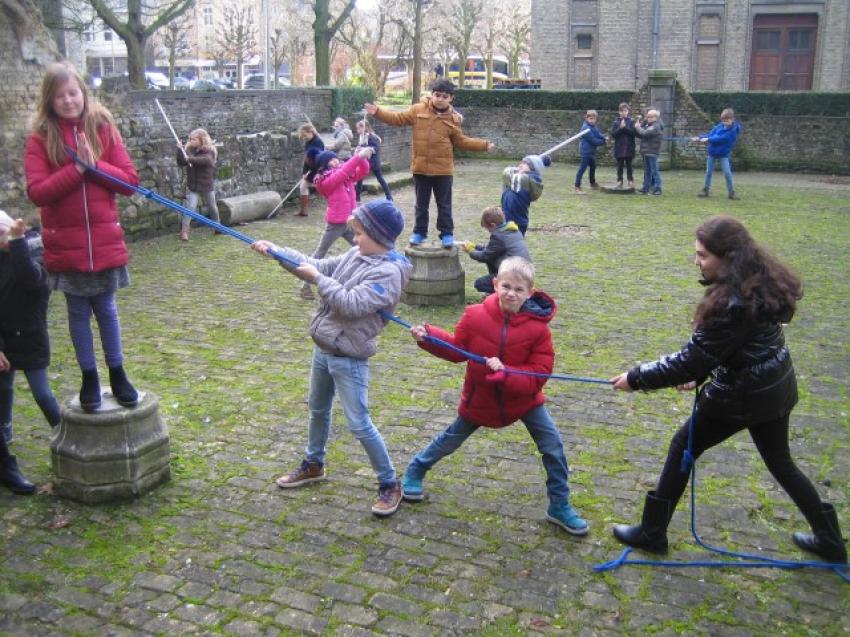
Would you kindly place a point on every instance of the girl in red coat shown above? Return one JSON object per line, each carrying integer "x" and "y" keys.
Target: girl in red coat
{"x": 510, "y": 328}
{"x": 84, "y": 249}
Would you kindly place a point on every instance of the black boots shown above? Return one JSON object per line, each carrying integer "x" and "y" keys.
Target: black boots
{"x": 124, "y": 392}
{"x": 10, "y": 475}
{"x": 90, "y": 391}
{"x": 651, "y": 533}
{"x": 826, "y": 542}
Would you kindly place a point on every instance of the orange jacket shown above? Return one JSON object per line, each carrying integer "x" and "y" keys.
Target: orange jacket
{"x": 435, "y": 136}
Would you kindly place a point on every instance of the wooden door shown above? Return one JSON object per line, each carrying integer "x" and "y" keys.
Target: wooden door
{"x": 783, "y": 53}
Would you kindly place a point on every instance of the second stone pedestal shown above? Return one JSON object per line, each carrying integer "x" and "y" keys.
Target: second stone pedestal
{"x": 437, "y": 278}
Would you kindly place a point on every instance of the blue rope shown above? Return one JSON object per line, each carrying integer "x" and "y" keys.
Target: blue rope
{"x": 755, "y": 560}
{"x": 168, "y": 203}
{"x": 481, "y": 359}
{"x": 681, "y": 138}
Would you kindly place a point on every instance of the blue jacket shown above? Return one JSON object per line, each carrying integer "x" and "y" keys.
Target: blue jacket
{"x": 587, "y": 147}
{"x": 721, "y": 140}
{"x": 518, "y": 191}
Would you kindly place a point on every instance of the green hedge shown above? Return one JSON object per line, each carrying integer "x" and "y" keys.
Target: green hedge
{"x": 350, "y": 99}
{"x": 774, "y": 103}
{"x": 543, "y": 100}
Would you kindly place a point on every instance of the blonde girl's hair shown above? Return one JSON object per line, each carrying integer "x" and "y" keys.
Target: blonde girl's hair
{"x": 46, "y": 122}
{"x": 207, "y": 143}
{"x": 518, "y": 267}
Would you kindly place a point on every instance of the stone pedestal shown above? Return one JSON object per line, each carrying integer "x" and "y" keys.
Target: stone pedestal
{"x": 437, "y": 277}
{"x": 242, "y": 208}
{"x": 111, "y": 454}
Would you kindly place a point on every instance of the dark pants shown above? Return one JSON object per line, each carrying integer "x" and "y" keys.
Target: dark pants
{"x": 627, "y": 162}
{"x": 441, "y": 185}
{"x": 771, "y": 440}
{"x": 586, "y": 162}
{"x": 379, "y": 175}
{"x": 484, "y": 284}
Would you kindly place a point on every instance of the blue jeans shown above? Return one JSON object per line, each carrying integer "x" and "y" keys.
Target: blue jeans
{"x": 651, "y": 174}
{"x": 586, "y": 162}
{"x": 40, "y": 388}
{"x": 79, "y": 322}
{"x": 349, "y": 376}
{"x": 543, "y": 431}
{"x": 725, "y": 165}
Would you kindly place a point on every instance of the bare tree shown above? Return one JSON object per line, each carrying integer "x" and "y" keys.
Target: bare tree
{"x": 515, "y": 37}
{"x": 174, "y": 38}
{"x": 143, "y": 19}
{"x": 490, "y": 30}
{"x": 325, "y": 27}
{"x": 462, "y": 19}
{"x": 235, "y": 35}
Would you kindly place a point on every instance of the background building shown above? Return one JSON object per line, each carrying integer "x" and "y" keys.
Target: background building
{"x": 711, "y": 44}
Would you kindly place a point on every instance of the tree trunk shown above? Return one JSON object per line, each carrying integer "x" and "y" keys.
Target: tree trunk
{"x": 417, "y": 54}
{"x": 322, "y": 45}
{"x": 136, "y": 60}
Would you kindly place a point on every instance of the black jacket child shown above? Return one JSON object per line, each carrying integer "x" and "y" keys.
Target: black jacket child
{"x": 624, "y": 138}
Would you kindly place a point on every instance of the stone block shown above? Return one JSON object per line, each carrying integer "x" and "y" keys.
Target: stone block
{"x": 242, "y": 208}
{"x": 437, "y": 277}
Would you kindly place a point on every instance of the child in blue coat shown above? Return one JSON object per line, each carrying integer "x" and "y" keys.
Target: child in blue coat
{"x": 587, "y": 150}
{"x": 521, "y": 185}
{"x": 721, "y": 140}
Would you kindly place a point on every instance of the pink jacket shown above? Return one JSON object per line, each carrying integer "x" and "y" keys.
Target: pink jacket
{"x": 337, "y": 186}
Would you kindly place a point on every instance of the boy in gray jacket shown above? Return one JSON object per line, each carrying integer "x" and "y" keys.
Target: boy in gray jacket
{"x": 649, "y": 132}
{"x": 506, "y": 240}
{"x": 352, "y": 288}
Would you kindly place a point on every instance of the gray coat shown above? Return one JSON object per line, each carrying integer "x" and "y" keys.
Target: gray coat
{"x": 650, "y": 137}
{"x": 352, "y": 288}
{"x": 341, "y": 143}
{"x": 505, "y": 241}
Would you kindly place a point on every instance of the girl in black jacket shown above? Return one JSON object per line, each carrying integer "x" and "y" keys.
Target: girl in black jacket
{"x": 738, "y": 351}
{"x": 23, "y": 336}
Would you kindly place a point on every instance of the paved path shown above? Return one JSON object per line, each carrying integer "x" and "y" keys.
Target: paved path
{"x": 219, "y": 334}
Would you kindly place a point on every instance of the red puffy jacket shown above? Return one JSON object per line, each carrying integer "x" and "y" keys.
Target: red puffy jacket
{"x": 79, "y": 216}
{"x": 522, "y": 341}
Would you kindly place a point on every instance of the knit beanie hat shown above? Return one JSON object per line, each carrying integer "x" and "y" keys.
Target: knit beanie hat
{"x": 538, "y": 162}
{"x": 381, "y": 220}
{"x": 5, "y": 220}
{"x": 324, "y": 158}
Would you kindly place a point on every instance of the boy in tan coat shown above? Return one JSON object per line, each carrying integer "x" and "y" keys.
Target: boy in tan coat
{"x": 436, "y": 133}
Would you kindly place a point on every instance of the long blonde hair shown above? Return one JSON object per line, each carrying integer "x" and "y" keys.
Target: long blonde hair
{"x": 207, "y": 143}
{"x": 46, "y": 124}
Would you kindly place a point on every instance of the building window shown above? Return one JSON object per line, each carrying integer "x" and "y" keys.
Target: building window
{"x": 208, "y": 16}
{"x": 584, "y": 41}
{"x": 108, "y": 68}
{"x": 783, "y": 54}
{"x": 107, "y": 36}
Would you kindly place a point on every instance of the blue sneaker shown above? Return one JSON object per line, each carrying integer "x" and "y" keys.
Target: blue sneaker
{"x": 567, "y": 518}
{"x": 411, "y": 488}
{"x": 447, "y": 240}
{"x": 416, "y": 239}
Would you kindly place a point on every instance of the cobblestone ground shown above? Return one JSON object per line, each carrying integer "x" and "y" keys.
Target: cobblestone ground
{"x": 219, "y": 334}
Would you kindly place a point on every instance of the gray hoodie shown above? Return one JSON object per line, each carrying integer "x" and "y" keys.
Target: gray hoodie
{"x": 352, "y": 288}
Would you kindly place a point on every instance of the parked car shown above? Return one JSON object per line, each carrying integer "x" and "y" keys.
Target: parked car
{"x": 225, "y": 82}
{"x": 254, "y": 81}
{"x": 182, "y": 84}
{"x": 156, "y": 80}
{"x": 205, "y": 85}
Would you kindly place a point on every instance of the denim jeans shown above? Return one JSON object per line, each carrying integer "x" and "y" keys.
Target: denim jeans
{"x": 79, "y": 322}
{"x": 543, "y": 431}
{"x": 192, "y": 204}
{"x": 725, "y": 165}
{"x": 350, "y": 377}
{"x": 651, "y": 174}
{"x": 40, "y": 388}
{"x": 586, "y": 162}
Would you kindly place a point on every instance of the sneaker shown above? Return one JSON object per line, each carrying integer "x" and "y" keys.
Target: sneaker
{"x": 389, "y": 497}
{"x": 594, "y": 186}
{"x": 412, "y": 489}
{"x": 447, "y": 240}
{"x": 416, "y": 239}
{"x": 579, "y": 191}
{"x": 643, "y": 191}
{"x": 732, "y": 195}
{"x": 7, "y": 432}
{"x": 567, "y": 518}
{"x": 306, "y": 472}
{"x": 619, "y": 185}
{"x": 657, "y": 192}
{"x": 703, "y": 193}
{"x": 631, "y": 184}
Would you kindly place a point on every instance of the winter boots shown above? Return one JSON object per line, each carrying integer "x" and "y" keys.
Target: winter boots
{"x": 90, "y": 391}
{"x": 10, "y": 475}
{"x": 305, "y": 203}
{"x": 124, "y": 392}
{"x": 826, "y": 542}
{"x": 651, "y": 534}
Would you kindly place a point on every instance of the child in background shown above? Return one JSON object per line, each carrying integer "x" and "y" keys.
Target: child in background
{"x": 366, "y": 137}
{"x": 335, "y": 182}
{"x": 721, "y": 140}
{"x": 24, "y": 344}
{"x": 84, "y": 249}
{"x": 510, "y": 328}
{"x": 520, "y": 186}
{"x": 313, "y": 145}
{"x": 353, "y": 287}
{"x": 623, "y": 133}
{"x": 505, "y": 241}
{"x": 587, "y": 150}
{"x": 436, "y": 133}
{"x": 650, "y": 147}
{"x": 341, "y": 140}
{"x": 199, "y": 157}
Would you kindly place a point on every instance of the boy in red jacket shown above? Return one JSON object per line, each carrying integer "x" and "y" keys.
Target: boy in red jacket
{"x": 510, "y": 329}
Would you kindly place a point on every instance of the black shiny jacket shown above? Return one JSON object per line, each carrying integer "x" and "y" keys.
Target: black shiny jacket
{"x": 745, "y": 366}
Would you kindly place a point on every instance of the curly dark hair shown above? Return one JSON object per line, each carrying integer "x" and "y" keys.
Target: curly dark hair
{"x": 749, "y": 274}
{"x": 442, "y": 85}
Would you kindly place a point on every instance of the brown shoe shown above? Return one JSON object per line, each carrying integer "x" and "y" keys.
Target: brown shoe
{"x": 184, "y": 235}
{"x": 306, "y": 472}
{"x": 389, "y": 497}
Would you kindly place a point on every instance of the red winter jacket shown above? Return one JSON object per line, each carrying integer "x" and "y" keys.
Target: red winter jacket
{"x": 337, "y": 186}
{"x": 79, "y": 217}
{"x": 522, "y": 341}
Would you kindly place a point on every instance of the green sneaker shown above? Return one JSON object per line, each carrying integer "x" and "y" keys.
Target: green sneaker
{"x": 412, "y": 489}
{"x": 567, "y": 518}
